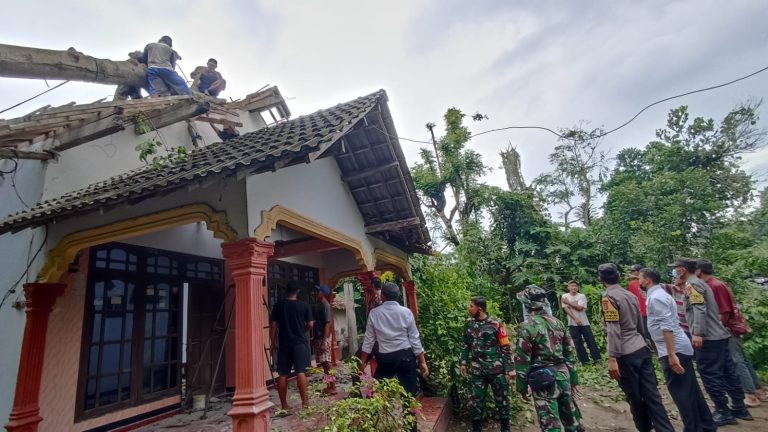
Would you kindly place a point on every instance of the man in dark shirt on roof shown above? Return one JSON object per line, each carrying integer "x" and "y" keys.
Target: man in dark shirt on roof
{"x": 629, "y": 359}
{"x": 290, "y": 321}
{"x": 207, "y": 80}
{"x": 710, "y": 341}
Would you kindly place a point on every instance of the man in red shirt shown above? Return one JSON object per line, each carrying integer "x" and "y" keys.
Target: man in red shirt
{"x": 634, "y": 288}
{"x": 734, "y": 322}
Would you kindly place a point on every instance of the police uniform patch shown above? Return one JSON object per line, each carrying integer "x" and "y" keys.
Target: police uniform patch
{"x": 694, "y": 296}
{"x": 610, "y": 313}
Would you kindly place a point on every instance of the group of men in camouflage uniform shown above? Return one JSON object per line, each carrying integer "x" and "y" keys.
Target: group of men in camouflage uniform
{"x": 543, "y": 362}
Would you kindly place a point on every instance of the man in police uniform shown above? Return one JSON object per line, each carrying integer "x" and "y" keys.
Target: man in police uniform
{"x": 487, "y": 352}
{"x": 545, "y": 361}
{"x": 629, "y": 359}
{"x": 710, "y": 343}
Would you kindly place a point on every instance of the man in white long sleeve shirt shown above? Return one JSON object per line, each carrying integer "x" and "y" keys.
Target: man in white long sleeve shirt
{"x": 394, "y": 328}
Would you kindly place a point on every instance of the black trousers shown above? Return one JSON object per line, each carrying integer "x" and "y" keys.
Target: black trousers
{"x": 400, "y": 364}
{"x": 688, "y": 397}
{"x": 638, "y": 381}
{"x": 580, "y": 335}
{"x": 718, "y": 373}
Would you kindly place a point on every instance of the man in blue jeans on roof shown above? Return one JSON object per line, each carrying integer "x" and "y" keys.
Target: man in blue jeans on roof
{"x": 161, "y": 58}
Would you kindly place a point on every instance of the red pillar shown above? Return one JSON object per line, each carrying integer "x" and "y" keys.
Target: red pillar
{"x": 247, "y": 260}
{"x": 25, "y": 415}
{"x": 410, "y": 295}
{"x": 372, "y": 296}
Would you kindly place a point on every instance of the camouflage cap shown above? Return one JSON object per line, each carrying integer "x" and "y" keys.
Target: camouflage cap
{"x": 533, "y": 297}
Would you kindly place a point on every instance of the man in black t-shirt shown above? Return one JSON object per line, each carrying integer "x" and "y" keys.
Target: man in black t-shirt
{"x": 290, "y": 321}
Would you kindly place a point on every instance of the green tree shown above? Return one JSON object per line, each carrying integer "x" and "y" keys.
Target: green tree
{"x": 579, "y": 169}
{"x": 671, "y": 196}
{"x": 451, "y": 171}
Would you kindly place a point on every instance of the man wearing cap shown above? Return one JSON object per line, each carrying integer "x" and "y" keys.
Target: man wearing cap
{"x": 321, "y": 335}
{"x": 207, "y": 80}
{"x": 394, "y": 328}
{"x": 710, "y": 342}
{"x": 545, "y": 363}
{"x": 486, "y": 351}
{"x": 629, "y": 359}
{"x": 676, "y": 355}
{"x": 162, "y": 78}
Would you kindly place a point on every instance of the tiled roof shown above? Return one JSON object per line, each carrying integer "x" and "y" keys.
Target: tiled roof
{"x": 264, "y": 147}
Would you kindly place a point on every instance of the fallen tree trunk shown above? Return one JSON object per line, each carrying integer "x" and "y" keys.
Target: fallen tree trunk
{"x": 36, "y": 63}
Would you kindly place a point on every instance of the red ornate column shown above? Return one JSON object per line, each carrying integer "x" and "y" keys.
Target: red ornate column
{"x": 25, "y": 415}
{"x": 247, "y": 260}
{"x": 410, "y": 295}
{"x": 371, "y": 293}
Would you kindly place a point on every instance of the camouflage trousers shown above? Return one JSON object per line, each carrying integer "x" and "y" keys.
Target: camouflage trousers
{"x": 479, "y": 386}
{"x": 556, "y": 408}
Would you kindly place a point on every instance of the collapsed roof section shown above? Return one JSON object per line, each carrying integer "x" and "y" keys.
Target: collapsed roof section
{"x": 359, "y": 134}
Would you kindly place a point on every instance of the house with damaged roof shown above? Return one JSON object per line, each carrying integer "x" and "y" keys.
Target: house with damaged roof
{"x": 130, "y": 271}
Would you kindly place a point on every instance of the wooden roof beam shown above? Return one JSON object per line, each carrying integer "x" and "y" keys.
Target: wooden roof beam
{"x": 369, "y": 172}
{"x": 392, "y": 226}
{"x": 24, "y": 154}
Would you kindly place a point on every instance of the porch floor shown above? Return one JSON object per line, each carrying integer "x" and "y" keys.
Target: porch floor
{"x": 435, "y": 416}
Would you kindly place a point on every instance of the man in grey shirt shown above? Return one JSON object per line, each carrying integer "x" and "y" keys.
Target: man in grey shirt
{"x": 675, "y": 354}
{"x": 710, "y": 340}
{"x": 629, "y": 359}
{"x": 161, "y": 64}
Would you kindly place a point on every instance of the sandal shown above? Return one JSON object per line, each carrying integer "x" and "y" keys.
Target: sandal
{"x": 281, "y": 413}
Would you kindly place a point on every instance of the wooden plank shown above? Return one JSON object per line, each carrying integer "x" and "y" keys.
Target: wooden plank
{"x": 20, "y": 154}
{"x": 73, "y": 137}
{"x": 224, "y": 122}
{"x": 392, "y": 226}
{"x": 176, "y": 113}
{"x": 370, "y": 172}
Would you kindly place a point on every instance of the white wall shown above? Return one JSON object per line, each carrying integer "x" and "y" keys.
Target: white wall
{"x": 193, "y": 239}
{"x": 103, "y": 158}
{"x": 16, "y": 250}
{"x": 314, "y": 190}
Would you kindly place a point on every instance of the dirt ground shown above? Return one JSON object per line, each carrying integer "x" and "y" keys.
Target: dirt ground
{"x": 604, "y": 410}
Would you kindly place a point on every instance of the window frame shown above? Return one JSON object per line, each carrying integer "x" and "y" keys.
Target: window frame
{"x": 141, "y": 280}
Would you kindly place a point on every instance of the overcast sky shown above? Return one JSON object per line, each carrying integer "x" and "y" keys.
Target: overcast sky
{"x": 547, "y": 63}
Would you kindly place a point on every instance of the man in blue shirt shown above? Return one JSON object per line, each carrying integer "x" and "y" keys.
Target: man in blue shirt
{"x": 675, "y": 354}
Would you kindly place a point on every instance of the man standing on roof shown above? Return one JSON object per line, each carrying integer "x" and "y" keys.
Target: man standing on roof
{"x": 710, "y": 342}
{"x": 207, "y": 80}
{"x": 629, "y": 359}
{"x": 486, "y": 351}
{"x": 161, "y": 64}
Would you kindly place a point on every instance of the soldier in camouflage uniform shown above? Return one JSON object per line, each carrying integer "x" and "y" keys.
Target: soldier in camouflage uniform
{"x": 487, "y": 352}
{"x": 543, "y": 342}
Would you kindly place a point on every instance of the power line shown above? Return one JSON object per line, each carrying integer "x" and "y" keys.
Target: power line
{"x": 12, "y": 289}
{"x": 546, "y": 129}
{"x": 33, "y": 97}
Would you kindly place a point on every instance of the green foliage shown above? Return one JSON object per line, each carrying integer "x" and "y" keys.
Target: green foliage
{"x": 150, "y": 150}
{"x": 452, "y": 167}
{"x": 389, "y": 409}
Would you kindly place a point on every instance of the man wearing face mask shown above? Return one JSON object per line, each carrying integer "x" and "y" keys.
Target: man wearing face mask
{"x": 710, "y": 341}
{"x": 629, "y": 359}
{"x": 675, "y": 354}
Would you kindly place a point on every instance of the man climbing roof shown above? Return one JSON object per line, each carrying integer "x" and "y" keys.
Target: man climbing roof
{"x": 207, "y": 80}
{"x": 161, "y": 59}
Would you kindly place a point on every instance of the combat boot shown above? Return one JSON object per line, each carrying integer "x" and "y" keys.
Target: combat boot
{"x": 477, "y": 425}
{"x": 742, "y": 414}
{"x": 504, "y": 425}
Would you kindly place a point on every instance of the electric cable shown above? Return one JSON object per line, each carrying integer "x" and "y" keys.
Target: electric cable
{"x": 26, "y": 270}
{"x": 34, "y": 97}
{"x": 600, "y": 135}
